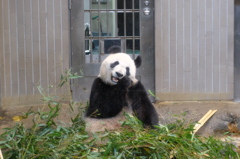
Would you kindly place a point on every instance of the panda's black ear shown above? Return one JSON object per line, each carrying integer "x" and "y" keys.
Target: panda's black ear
{"x": 138, "y": 61}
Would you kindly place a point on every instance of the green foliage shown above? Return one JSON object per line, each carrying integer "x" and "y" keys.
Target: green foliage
{"x": 67, "y": 76}
{"x": 49, "y": 140}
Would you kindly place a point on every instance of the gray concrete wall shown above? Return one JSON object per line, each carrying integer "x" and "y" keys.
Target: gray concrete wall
{"x": 193, "y": 49}
{"x": 194, "y": 45}
{"x": 34, "y": 48}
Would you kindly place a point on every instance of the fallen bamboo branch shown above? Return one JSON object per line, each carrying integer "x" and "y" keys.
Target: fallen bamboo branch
{"x": 1, "y": 155}
{"x": 203, "y": 120}
{"x": 200, "y": 123}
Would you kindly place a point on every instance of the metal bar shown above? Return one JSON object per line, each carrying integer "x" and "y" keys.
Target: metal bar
{"x": 111, "y": 37}
{"x": 123, "y": 45}
{"x": 116, "y": 17}
{"x": 133, "y": 21}
{"x": 107, "y": 19}
{"x": 90, "y": 38}
{"x": 99, "y": 29}
{"x": 69, "y": 4}
{"x": 119, "y": 10}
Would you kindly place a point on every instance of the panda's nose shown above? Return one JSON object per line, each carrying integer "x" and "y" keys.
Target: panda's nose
{"x": 119, "y": 74}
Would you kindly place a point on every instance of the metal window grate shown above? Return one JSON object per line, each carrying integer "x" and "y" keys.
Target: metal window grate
{"x": 109, "y": 23}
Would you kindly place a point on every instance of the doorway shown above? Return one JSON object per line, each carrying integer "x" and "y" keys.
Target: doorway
{"x": 101, "y": 27}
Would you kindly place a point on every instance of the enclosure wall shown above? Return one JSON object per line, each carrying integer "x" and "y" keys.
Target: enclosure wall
{"x": 194, "y": 45}
{"x": 34, "y": 48}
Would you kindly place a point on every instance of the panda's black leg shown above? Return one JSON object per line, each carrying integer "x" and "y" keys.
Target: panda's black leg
{"x": 141, "y": 105}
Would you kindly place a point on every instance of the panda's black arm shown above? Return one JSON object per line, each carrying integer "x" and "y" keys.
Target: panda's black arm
{"x": 142, "y": 106}
{"x": 105, "y": 100}
{"x": 97, "y": 103}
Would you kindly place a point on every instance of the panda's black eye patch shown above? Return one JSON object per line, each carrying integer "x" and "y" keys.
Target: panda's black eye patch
{"x": 127, "y": 71}
{"x": 112, "y": 65}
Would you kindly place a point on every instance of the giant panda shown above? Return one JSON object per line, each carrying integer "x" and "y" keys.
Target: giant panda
{"x": 116, "y": 91}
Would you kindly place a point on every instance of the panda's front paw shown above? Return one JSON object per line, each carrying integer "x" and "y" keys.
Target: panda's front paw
{"x": 125, "y": 82}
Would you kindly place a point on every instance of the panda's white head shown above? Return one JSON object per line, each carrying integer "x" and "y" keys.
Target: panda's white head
{"x": 118, "y": 65}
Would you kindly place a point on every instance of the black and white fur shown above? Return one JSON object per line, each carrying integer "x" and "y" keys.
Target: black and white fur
{"x": 115, "y": 91}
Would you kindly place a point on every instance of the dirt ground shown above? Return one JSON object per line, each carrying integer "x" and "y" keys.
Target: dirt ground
{"x": 227, "y": 113}
{"x": 226, "y": 119}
